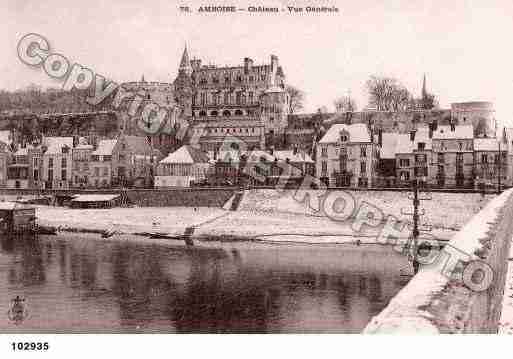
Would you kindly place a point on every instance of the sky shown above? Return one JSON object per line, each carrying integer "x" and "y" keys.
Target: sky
{"x": 463, "y": 47}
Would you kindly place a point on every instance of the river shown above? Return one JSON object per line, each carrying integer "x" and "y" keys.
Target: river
{"x": 82, "y": 284}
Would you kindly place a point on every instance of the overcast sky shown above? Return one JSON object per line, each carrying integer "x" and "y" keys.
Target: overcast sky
{"x": 463, "y": 47}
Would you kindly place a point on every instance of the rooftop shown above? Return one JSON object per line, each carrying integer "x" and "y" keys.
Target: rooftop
{"x": 358, "y": 132}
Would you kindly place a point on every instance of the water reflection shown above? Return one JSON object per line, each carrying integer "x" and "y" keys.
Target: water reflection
{"x": 86, "y": 285}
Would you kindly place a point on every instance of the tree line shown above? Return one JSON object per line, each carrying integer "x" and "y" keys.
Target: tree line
{"x": 384, "y": 94}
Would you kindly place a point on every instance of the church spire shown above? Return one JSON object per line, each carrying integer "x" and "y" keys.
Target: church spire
{"x": 142, "y": 78}
{"x": 424, "y": 90}
{"x": 185, "y": 64}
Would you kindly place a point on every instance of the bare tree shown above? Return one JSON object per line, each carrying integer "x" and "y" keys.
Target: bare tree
{"x": 296, "y": 98}
{"x": 388, "y": 94}
{"x": 345, "y": 104}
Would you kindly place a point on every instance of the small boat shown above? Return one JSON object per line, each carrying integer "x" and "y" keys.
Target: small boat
{"x": 45, "y": 230}
{"x": 108, "y": 233}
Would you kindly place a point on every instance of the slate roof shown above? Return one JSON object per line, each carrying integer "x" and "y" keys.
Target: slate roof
{"x": 443, "y": 132}
{"x": 358, "y": 132}
{"x": 186, "y": 155}
{"x": 138, "y": 144}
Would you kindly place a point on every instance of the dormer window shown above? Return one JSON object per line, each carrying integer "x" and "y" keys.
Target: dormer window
{"x": 344, "y": 138}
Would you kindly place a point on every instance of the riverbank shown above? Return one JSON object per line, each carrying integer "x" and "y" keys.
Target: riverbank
{"x": 267, "y": 215}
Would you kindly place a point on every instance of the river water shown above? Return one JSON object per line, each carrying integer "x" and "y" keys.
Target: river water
{"x": 82, "y": 284}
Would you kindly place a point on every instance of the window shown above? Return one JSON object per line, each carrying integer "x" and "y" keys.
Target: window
{"x": 363, "y": 151}
{"x": 324, "y": 168}
{"x": 203, "y": 99}
{"x": 484, "y": 158}
{"x": 405, "y": 176}
{"x": 202, "y": 114}
{"x": 420, "y": 158}
{"x": 404, "y": 162}
{"x": 105, "y": 171}
{"x": 238, "y": 96}
{"x": 64, "y": 163}
{"x": 96, "y": 171}
{"x": 50, "y": 175}
{"x": 441, "y": 158}
{"x": 214, "y": 113}
{"x": 363, "y": 167}
{"x": 344, "y": 138}
{"x": 226, "y": 113}
{"x": 238, "y": 113}
{"x": 50, "y": 162}
{"x": 226, "y": 98}
{"x": 324, "y": 152}
{"x": 459, "y": 157}
{"x": 63, "y": 175}
{"x": 250, "y": 97}
{"x": 227, "y": 79}
{"x": 421, "y": 146}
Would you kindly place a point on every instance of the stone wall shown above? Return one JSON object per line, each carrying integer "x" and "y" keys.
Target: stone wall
{"x": 439, "y": 299}
{"x": 182, "y": 197}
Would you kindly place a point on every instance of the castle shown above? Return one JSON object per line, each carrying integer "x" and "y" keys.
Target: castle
{"x": 248, "y": 101}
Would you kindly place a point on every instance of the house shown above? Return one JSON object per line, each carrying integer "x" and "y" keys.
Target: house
{"x": 182, "y": 168}
{"x": 133, "y": 161}
{"x": 347, "y": 155}
{"x": 490, "y": 161}
{"x": 414, "y": 156}
{"x": 100, "y": 167}
{"x": 57, "y": 162}
{"x": 453, "y": 155}
{"x": 24, "y": 167}
{"x": 81, "y": 159}
{"x": 386, "y": 170}
{"x": 268, "y": 167}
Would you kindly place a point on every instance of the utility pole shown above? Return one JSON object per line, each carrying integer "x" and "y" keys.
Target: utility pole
{"x": 414, "y": 244}
{"x": 415, "y": 233}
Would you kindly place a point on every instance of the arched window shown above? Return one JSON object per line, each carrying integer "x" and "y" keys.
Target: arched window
{"x": 202, "y": 114}
{"x": 214, "y": 113}
{"x": 238, "y": 113}
{"x": 226, "y": 113}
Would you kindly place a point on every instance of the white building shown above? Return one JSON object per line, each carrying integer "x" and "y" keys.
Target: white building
{"x": 57, "y": 162}
{"x": 182, "y": 168}
{"x": 101, "y": 164}
{"x": 347, "y": 155}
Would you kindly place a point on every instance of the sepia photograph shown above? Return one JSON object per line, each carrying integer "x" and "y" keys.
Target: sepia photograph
{"x": 274, "y": 167}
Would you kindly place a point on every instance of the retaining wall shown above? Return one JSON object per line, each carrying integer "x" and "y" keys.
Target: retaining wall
{"x": 182, "y": 197}
{"x": 437, "y": 299}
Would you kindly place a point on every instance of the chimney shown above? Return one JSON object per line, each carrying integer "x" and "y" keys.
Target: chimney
{"x": 274, "y": 62}
{"x": 412, "y": 135}
{"x": 380, "y": 137}
{"x": 248, "y": 64}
